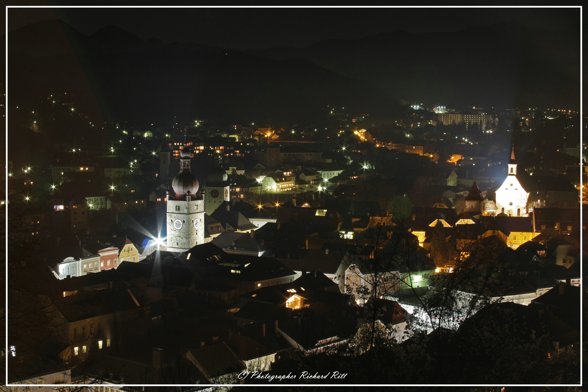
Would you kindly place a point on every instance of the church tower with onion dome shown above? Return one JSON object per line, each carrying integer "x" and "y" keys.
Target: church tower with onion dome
{"x": 185, "y": 209}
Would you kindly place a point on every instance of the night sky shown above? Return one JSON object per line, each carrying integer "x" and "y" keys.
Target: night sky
{"x": 259, "y": 28}
{"x": 366, "y": 59}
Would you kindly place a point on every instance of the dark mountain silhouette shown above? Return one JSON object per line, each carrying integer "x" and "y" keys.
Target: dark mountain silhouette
{"x": 116, "y": 75}
{"x": 502, "y": 65}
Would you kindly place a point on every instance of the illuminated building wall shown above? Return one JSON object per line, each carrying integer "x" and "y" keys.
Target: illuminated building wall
{"x": 97, "y": 203}
{"x": 185, "y": 224}
{"x": 129, "y": 252}
{"x": 517, "y": 238}
{"x": 108, "y": 258}
{"x": 511, "y": 197}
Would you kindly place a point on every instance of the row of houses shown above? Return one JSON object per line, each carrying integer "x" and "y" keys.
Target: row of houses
{"x": 104, "y": 259}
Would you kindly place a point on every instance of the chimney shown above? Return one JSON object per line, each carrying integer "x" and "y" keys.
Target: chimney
{"x": 263, "y": 330}
{"x": 306, "y": 244}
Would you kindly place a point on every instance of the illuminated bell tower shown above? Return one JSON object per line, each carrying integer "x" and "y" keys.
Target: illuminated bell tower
{"x": 511, "y": 197}
{"x": 185, "y": 211}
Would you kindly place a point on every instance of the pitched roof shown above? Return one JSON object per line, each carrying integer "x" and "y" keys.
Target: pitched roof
{"x": 474, "y": 193}
{"x": 563, "y": 300}
{"x": 539, "y": 183}
{"x": 95, "y": 303}
{"x": 215, "y": 360}
{"x": 507, "y": 224}
{"x": 231, "y": 218}
{"x": 316, "y": 260}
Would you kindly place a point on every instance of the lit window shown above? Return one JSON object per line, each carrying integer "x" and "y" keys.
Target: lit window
{"x": 84, "y": 348}
{"x": 295, "y": 302}
{"x": 100, "y": 343}
{"x": 76, "y": 350}
{"x": 108, "y": 342}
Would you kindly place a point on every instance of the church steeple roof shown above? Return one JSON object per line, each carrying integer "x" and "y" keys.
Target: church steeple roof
{"x": 512, "y": 155}
{"x": 474, "y": 193}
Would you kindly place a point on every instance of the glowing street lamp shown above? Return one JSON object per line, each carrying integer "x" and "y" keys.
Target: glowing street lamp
{"x": 112, "y": 187}
{"x": 53, "y": 187}
{"x": 159, "y": 242}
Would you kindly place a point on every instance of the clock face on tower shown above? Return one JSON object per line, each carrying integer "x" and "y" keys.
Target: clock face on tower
{"x": 214, "y": 193}
{"x": 196, "y": 222}
{"x": 177, "y": 224}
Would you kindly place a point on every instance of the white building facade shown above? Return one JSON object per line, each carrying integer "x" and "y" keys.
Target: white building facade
{"x": 511, "y": 197}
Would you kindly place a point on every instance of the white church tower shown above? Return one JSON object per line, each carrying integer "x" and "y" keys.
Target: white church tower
{"x": 511, "y": 197}
{"x": 185, "y": 210}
